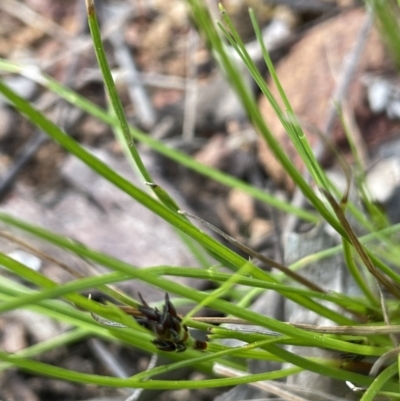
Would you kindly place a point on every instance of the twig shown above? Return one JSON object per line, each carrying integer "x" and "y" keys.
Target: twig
{"x": 115, "y": 365}
{"x": 109, "y": 360}
{"x": 82, "y": 44}
{"x": 275, "y": 388}
{"x": 337, "y": 330}
{"x": 136, "y": 394}
{"x": 41, "y": 254}
{"x": 137, "y": 92}
{"x": 39, "y": 138}
{"x": 37, "y": 21}
{"x": 264, "y": 385}
{"x": 349, "y": 70}
{"x": 75, "y": 273}
{"x": 161, "y": 129}
{"x": 28, "y": 151}
{"x": 189, "y": 117}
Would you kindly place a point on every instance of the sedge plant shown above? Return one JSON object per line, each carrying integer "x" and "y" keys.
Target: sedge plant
{"x": 354, "y": 332}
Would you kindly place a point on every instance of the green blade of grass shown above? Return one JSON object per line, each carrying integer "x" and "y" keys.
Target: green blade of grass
{"x": 387, "y": 17}
{"x": 389, "y": 231}
{"x": 379, "y": 382}
{"x": 337, "y": 298}
{"x": 225, "y": 352}
{"x": 289, "y": 121}
{"x": 79, "y": 377}
{"x": 356, "y": 274}
{"x": 42, "y": 281}
{"x": 64, "y": 374}
{"x": 112, "y": 90}
{"x": 60, "y": 289}
{"x": 63, "y": 339}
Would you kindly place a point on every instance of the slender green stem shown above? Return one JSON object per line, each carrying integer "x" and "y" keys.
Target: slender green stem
{"x": 288, "y": 119}
{"x": 355, "y": 272}
{"x": 379, "y": 382}
{"x": 63, "y": 374}
{"x": 52, "y": 343}
{"x": 112, "y": 90}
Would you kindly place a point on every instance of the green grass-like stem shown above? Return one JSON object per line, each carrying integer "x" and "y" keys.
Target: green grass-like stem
{"x": 379, "y": 382}
{"x": 112, "y": 90}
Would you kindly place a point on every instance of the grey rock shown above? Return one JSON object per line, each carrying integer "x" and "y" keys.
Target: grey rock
{"x": 102, "y": 217}
{"x": 331, "y": 274}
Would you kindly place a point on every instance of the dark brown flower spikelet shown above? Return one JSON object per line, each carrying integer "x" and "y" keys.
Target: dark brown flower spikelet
{"x": 171, "y": 334}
